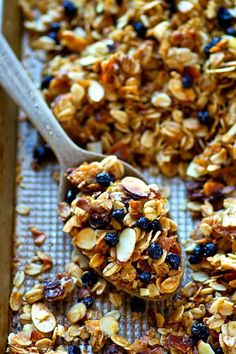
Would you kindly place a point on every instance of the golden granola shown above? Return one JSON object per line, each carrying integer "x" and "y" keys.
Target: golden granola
{"x": 149, "y": 81}
{"x": 153, "y": 82}
{"x": 122, "y": 225}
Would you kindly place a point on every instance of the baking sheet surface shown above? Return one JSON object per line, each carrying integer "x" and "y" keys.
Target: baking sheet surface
{"x": 38, "y": 191}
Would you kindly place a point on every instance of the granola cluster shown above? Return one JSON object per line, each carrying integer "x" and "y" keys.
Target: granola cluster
{"x": 204, "y": 321}
{"x": 122, "y": 225}
{"x": 149, "y": 81}
{"x": 213, "y": 175}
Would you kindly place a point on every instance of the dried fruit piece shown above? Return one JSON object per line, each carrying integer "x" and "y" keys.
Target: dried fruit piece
{"x": 126, "y": 245}
{"x": 182, "y": 343}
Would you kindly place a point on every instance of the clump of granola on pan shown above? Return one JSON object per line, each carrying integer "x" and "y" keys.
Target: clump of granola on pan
{"x": 213, "y": 174}
{"x": 123, "y": 226}
{"x": 206, "y": 310}
{"x": 149, "y": 81}
{"x": 215, "y": 239}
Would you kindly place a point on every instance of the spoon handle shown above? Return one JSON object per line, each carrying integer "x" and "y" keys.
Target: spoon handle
{"x": 19, "y": 86}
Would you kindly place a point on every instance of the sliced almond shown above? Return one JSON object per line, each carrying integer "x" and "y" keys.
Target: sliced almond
{"x": 126, "y": 245}
{"x": 96, "y": 91}
{"x": 42, "y": 318}
{"x": 135, "y": 187}
{"x": 96, "y": 261}
{"x": 109, "y": 325}
{"x": 200, "y": 277}
{"x": 33, "y": 269}
{"x": 86, "y": 239}
{"x": 20, "y": 339}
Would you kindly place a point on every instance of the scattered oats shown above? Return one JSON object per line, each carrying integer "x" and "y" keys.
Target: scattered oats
{"x": 42, "y": 318}
{"x": 200, "y": 277}
{"x": 115, "y": 299}
{"x": 76, "y": 313}
{"x": 22, "y": 209}
{"x": 161, "y": 99}
{"x": 160, "y": 30}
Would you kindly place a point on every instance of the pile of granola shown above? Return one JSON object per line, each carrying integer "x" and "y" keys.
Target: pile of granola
{"x": 149, "y": 81}
{"x": 153, "y": 83}
{"x": 122, "y": 225}
{"x": 102, "y": 205}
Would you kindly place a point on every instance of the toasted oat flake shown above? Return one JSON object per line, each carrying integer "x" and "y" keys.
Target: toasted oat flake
{"x": 42, "y": 318}
{"x": 109, "y": 325}
{"x": 122, "y": 342}
{"x": 161, "y": 99}
{"x": 22, "y": 209}
{"x": 76, "y": 313}
{"x": 115, "y": 299}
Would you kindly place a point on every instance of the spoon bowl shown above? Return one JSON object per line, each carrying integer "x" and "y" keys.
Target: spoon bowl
{"x": 17, "y": 83}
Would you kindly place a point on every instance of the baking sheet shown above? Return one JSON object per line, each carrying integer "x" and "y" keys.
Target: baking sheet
{"x": 38, "y": 191}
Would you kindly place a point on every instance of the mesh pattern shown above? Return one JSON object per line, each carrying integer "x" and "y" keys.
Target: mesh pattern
{"x": 39, "y": 192}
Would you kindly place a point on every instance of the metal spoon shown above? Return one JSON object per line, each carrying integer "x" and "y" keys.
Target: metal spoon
{"x": 17, "y": 83}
